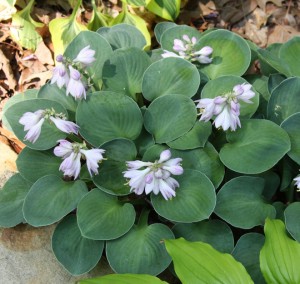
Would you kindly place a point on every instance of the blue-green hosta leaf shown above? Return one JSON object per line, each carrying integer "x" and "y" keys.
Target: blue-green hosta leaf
{"x": 124, "y": 279}
{"x": 164, "y": 117}
{"x": 256, "y": 138}
{"x": 198, "y": 262}
{"x": 167, "y": 9}
{"x": 123, "y": 35}
{"x": 33, "y": 164}
{"x": 170, "y": 76}
{"x": 242, "y": 194}
{"x": 12, "y": 198}
{"x": 214, "y": 232}
{"x": 247, "y": 251}
{"x": 227, "y": 47}
{"x": 161, "y": 27}
{"x": 280, "y": 255}
{"x": 143, "y": 250}
{"x": 23, "y": 28}
{"x": 98, "y": 211}
{"x": 285, "y": 100}
{"x": 291, "y": 215}
{"x": 119, "y": 115}
{"x": 76, "y": 253}
{"x": 194, "y": 201}
{"x": 50, "y": 199}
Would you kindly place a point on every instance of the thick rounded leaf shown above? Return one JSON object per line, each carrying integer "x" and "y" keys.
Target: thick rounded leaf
{"x": 123, "y": 35}
{"x": 161, "y": 27}
{"x": 142, "y": 248}
{"x": 247, "y": 251}
{"x": 54, "y": 93}
{"x": 205, "y": 160}
{"x": 243, "y": 195}
{"x": 50, "y": 199}
{"x": 291, "y": 126}
{"x": 98, "y": 211}
{"x": 195, "y": 199}
{"x": 195, "y": 138}
{"x": 231, "y": 54}
{"x": 169, "y": 117}
{"x": 12, "y": 197}
{"x": 176, "y": 32}
{"x": 124, "y": 279}
{"x": 224, "y": 85}
{"x": 291, "y": 215}
{"x": 104, "y": 116}
{"x": 285, "y": 100}
{"x": 76, "y": 253}
{"x": 256, "y": 139}
{"x": 27, "y": 95}
{"x": 280, "y": 255}
{"x": 123, "y": 71}
{"x": 197, "y": 262}
{"x": 119, "y": 150}
{"x": 33, "y": 164}
{"x": 170, "y": 76}
{"x": 289, "y": 53}
{"x": 102, "y": 49}
{"x": 214, "y": 232}
{"x": 49, "y": 133}
{"x": 111, "y": 179}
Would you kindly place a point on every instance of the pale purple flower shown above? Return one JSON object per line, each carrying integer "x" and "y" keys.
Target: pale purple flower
{"x": 71, "y": 165}
{"x": 228, "y": 117}
{"x": 179, "y": 45}
{"x": 64, "y": 149}
{"x": 85, "y": 56}
{"x": 202, "y": 56}
{"x": 167, "y": 54}
{"x": 93, "y": 157}
{"x": 32, "y": 122}
{"x": 60, "y": 58}
{"x": 60, "y": 76}
{"x": 210, "y": 107}
{"x": 297, "y": 182}
{"x": 64, "y": 125}
{"x": 243, "y": 92}
{"x": 75, "y": 86}
{"x": 155, "y": 177}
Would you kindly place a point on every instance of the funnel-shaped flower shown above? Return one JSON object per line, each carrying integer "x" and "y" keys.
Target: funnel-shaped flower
{"x": 93, "y": 157}
{"x": 60, "y": 76}
{"x": 64, "y": 125}
{"x": 75, "y": 86}
{"x": 297, "y": 182}
{"x": 85, "y": 56}
{"x": 155, "y": 177}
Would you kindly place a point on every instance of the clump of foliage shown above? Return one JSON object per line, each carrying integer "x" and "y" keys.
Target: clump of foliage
{"x": 130, "y": 150}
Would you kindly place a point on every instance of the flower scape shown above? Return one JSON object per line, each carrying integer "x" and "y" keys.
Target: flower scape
{"x": 127, "y": 147}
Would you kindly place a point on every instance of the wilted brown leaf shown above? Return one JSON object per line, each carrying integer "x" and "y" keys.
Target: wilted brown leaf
{"x": 282, "y": 33}
{"x": 44, "y": 54}
{"x": 262, "y": 3}
{"x": 9, "y": 138}
{"x": 6, "y": 68}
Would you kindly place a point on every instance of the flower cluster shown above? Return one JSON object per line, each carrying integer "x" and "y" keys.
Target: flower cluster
{"x": 226, "y": 108}
{"x": 155, "y": 177}
{"x": 33, "y": 122}
{"x": 186, "y": 50}
{"x": 70, "y": 73}
{"x": 72, "y": 154}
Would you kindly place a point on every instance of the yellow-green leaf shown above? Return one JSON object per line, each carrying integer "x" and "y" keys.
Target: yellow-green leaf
{"x": 134, "y": 20}
{"x": 198, "y": 262}
{"x": 7, "y": 9}
{"x": 64, "y": 30}
{"x": 280, "y": 255}
{"x": 98, "y": 19}
{"x": 167, "y": 9}
{"x": 23, "y": 28}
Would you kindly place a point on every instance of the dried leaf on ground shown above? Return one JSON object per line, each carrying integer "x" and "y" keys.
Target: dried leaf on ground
{"x": 282, "y": 33}
{"x": 6, "y": 68}
{"x": 9, "y": 138}
{"x": 43, "y": 54}
{"x": 262, "y": 3}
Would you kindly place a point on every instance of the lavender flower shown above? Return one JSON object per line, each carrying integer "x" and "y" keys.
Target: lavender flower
{"x": 32, "y": 122}
{"x": 93, "y": 157}
{"x": 85, "y": 56}
{"x": 155, "y": 177}
{"x": 297, "y": 182}
{"x": 60, "y": 76}
{"x": 64, "y": 125}
{"x": 186, "y": 49}
{"x": 72, "y": 154}
{"x": 226, "y": 108}
{"x": 75, "y": 86}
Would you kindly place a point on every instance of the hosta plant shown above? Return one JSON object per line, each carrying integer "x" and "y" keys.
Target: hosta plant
{"x": 126, "y": 148}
